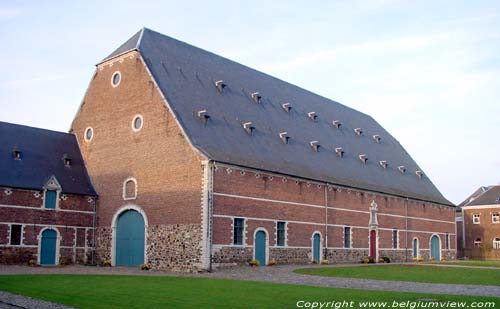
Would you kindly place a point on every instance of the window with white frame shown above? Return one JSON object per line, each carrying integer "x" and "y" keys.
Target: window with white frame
{"x": 395, "y": 239}
{"x": 238, "y": 230}
{"x": 477, "y": 242}
{"x": 15, "y": 234}
{"x": 447, "y": 241}
{"x": 495, "y": 217}
{"x": 280, "y": 233}
{"x": 347, "y": 237}
{"x": 496, "y": 243}
{"x": 130, "y": 189}
{"x": 476, "y": 219}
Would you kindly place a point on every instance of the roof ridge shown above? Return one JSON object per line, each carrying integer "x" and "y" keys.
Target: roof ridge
{"x": 36, "y": 128}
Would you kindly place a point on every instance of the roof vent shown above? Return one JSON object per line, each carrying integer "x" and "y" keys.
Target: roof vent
{"x": 402, "y": 169}
{"x": 256, "y": 97}
{"x": 315, "y": 145}
{"x": 337, "y": 124}
{"x": 203, "y": 115}
{"x": 383, "y": 163}
{"x": 312, "y": 116}
{"x": 220, "y": 85}
{"x": 248, "y": 127}
{"x": 16, "y": 154}
{"x": 419, "y": 174}
{"x": 339, "y": 151}
{"x": 363, "y": 158}
{"x": 66, "y": 160}
{"x": 287, "y": 106}
{"x": 284, "y": 137}
{"x": 358, "y": 131}
{"x": 377, "y": 138}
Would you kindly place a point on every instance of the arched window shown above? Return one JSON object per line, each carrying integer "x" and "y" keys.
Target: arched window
{"x": 477, "y": 242}
{"x": 130, "y": 189}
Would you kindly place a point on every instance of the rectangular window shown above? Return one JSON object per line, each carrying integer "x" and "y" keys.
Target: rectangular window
{"x": 15, "y": 234}
{"x": 447, "y": 241}
{"x": 496, "y": 243}
{"x": 50, "y": 199}
{"x": 238, "y": 228}
{"x": 395, "y": 239}
{"x": 280, "y": 233}
{"x": 476, "y": 219}
{"x": 495, "y": 218}
{"x": 347, "y": 237}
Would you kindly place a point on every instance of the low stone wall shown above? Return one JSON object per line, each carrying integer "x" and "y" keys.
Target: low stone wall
{"x": 17, "y": 255}
{"x": 339, "y": 256}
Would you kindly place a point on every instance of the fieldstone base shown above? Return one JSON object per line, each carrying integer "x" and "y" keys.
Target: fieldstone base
{"x": 103, "y": 245}
{"x": 339, "y": 256}
{"x": 17, "y": 255}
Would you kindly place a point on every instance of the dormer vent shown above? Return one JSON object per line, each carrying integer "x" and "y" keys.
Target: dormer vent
{"x": 383, "y": 163}
{"x": 16, "y": 154}
{"x": 256, "y": 97}
{"x": 315, "y": 145}
{"x": 284, "y": 137}
{"x": 377, "y": 138}
{"x": 402, "y": 169}
{"x": 203, "y": 115}
{"x": 220, "y": 85}
{"x": 339, "y": 151}
{"x": 337, "y": 124}
{"x": 312, "y": 116}
{"x": 363, "y": 158}
{"x": 419, "y": 174}
{"x": 287, "y": 107}
{"x": 248, "y": 127}
{"x": 358, "y": 131}
{"x": 66, "y": 160}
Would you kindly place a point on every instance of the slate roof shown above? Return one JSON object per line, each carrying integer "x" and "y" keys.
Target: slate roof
{"x": 42, "y": 153}
{"x": 186, "y": 76}
{"x": 489, "y": 196}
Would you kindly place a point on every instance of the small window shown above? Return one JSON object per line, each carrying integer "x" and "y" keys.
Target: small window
{"x": 137, "y": 123}
{"x": 129, "y": 189}
{"x": 495, "y": 218}
{"x": 347, "y": 237}
{"x": 15, "y": 234}
{"x": 496, "y": 243}
{"x": 50, "y": 199}
{"x": 89, "y": 133}
{"x": 476, "y": 219}
{"x": 238, "y": 228}
{"x": 477, "y": 243}
{"x": 116, "y": 79}
{"x": 447, "y": 241}
{"x": 395, "y": 239}
{"x": 280, "y": 234}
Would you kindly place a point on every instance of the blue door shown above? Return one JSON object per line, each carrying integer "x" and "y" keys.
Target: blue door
{"x": 48, "y": 250}
{"x": 415, "y": 248}
{"x": 316, "y": 247}
{"x": 435, "y": 248}
{"x": 260, "y": 247}
{"x": 130, "y": 239}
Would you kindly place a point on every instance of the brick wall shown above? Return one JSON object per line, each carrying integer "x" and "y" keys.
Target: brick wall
{"x": 486, "y": 230}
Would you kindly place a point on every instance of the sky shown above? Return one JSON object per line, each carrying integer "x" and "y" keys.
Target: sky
{"x": 428, "y": 71}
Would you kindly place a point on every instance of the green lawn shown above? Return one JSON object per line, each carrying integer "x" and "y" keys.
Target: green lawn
{"x": 416, "y": 273}
{"x": 475, "y": 263}
{"x": 174, "y": 292}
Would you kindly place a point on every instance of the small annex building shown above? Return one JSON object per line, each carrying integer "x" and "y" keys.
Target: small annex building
{"x": 47, "y": 201}
{"x": 200, "y": 161}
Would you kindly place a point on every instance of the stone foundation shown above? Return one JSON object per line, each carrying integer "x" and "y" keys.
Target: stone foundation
{"x": 103, "y": 245}
{"x": 17, "y": 255}
{"x": 339, "y": 256}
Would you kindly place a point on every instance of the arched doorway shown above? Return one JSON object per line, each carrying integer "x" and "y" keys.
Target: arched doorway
{"x": 48, "y": 247}
{"x": 260, "y": 247}
{"x": 415, "y": 248}
{"x": 373, "y": 244}
{"x": 436, "y": 247}
{"x": 130, "y": 232}
{"x": 316, "y": 247}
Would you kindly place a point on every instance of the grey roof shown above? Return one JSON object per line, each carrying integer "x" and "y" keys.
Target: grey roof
{"x": 473, "y": 196}
{"x": 42, "y": 156}
{"x": 490, "y": 196}
{"x": 186, "y": 75}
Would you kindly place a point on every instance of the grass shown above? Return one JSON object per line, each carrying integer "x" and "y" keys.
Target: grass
{"x": 475, "y": 263}
{"x": 414, "y": 273}
{"x": 98, "y": 291}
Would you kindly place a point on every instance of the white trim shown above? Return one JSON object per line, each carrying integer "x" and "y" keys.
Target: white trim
{"x": 113, "y": 77}
{"x": 320, "y": 246}
{"x": 440, "y": 245}
{"x": 45, "y": 209}
{"x": 276, "y": 234}
{"x": 21, "y": 238}
{"x": 496, "y": 243}
{"x": 478, "y": 216}
{"x": 498, "y": 218}
{"x": 58, "y": 243}
{"x": 85, "y": 134}
{"x": 124, "y": 192}
{"x": 418, "y": 247}
{"x": 113, "y": 230}
{"x": 481, "y": 207}
{"x": 397, "y": 238}
{"x": 133, "y": 123}
{"x": 56, "y": 207}
{"x": 267, "y": 243}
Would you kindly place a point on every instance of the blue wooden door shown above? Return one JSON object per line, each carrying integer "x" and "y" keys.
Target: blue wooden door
{"x": 435, "y": 248}
{"x": 316, "y": 247}
{"x": 130, "y": 239}
{"x": 260, "y": 247}
{"x": 48, "y": 250}
{"x": 415, "y": 248}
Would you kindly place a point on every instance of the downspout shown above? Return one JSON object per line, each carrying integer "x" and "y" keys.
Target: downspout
{"x": 406, "y": 230}
{"x": 210, "y": 213}
{"x": 326, "y": 222}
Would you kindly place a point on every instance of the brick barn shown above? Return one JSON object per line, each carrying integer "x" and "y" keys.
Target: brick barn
{"x": 47, "y": 202}
{"x": 200, "y": 161}
{"x": 478, "y": 224}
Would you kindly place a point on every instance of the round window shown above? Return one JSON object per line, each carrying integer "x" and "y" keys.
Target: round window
{"x": 115, "y": 79}
{"x": 89, "y": 133}
{"x": 137, "y": 123}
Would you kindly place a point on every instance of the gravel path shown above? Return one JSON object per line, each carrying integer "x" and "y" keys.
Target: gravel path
{"x": 13, "y": 301}
{"x": 276, "y": 274}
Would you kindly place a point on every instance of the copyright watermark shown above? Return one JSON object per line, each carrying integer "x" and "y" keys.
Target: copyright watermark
{"x": 394, "y": 304}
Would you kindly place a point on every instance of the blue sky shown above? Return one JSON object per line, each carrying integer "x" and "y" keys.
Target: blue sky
{"x": 428, "y": 71}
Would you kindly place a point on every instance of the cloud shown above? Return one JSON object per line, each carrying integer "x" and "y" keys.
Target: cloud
{"x": 9, "y": 12}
